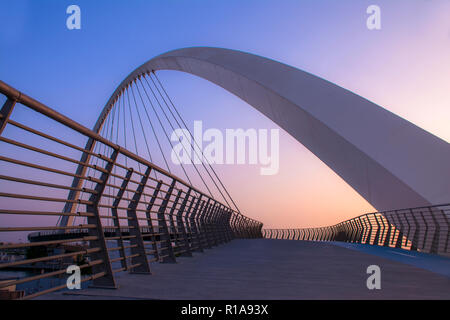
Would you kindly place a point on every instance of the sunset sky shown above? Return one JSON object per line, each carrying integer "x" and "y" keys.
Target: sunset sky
{"x": 404, "y": 67}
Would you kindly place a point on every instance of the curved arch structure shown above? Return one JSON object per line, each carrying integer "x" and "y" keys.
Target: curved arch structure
{"x": 389, "y": 161}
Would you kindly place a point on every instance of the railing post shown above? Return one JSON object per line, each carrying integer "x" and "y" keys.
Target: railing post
{"x": 195, "y": 229}
{"x": 167, "y": 253}
{"x": 5, "y": 113}
{"x": 250, "y": 228}
{"x": 186, "y": 219}
{"x": 207, "y": 225}
{"x": 360, "y": 230}
{"x": 387, "y": 239}
{"x": 180, "y": 225}
{"x": 233, "y": 224}
{"x": 407, "y": 221}
{"x": 116, "y": 219}
{"x": 353, "y": 230}
{"x": 319, "y": 234}
{"x": 202, "y": 224}
{"x": 415, "y": 237}
{"x": 444, "y": 216}
{"x": 228, "y": 229}
{"x": 399, "y": 244}
{"x": 173, "y": 229}
{"x": 220, "y": 224}
{"x": 223, "y": 223}
{"x": 425, "y": 236}
{"x": 331, "y": 234}
{"x": 435, "y": 242}
{"x": 148, "y": 215}
{"x": 244, "y": 227}
{"x": 369, "y": 230}
{"x": 364, "y": 229}
{"x": 377, "y": 235}
{"x": 239, "y": 226}
{"x": 140, "y": 262}
{"x": 211, "y": 220}
{"x": 247, "y": 228}
{"x": 326, "y": 233}
{"x": 108, "y": 281}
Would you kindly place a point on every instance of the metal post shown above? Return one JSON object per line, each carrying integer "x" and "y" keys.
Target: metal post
{"x": 139, "y": 259}
{"x": 377, "y": 235}
{"x": 148, "y": 215}
{"x": 213, "y": 234}
{"x": 221, "y": 222}
{"x": 187, "y": 221}
{"x": 387, "y": 239}
{"x": 167, "y": 253}
{"x": 399, "y": 244}
{"x": 415, "y": 238}
{"x": 108, "y": 281}
{"x": 227, "y": 221}
{"x": 448, "y": 229}
{"x": 195, "y": 231}
{"x": 203, "y": 224}
{"x": 186, "y": 249}
{"x": 174, "y": 230}
{"x": 435, "y": 242}
{"x": 116, "y": 219}
{"x": 365, "y": 230}
{"x": 5, "y": 113}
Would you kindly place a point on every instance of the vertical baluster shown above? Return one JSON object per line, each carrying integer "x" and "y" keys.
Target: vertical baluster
{"x": 139, "y": 259}
{"x": 167, "y": 255}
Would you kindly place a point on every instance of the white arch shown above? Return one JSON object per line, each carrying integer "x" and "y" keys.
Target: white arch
{"x": 389, "y": 161}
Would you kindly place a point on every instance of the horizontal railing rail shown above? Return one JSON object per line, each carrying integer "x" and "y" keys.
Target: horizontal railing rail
{"x": 128, "y": 211}
{"x": 424, "y": 229}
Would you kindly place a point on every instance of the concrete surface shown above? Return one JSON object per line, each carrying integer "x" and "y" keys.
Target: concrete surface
{"x": 274, "y": 269}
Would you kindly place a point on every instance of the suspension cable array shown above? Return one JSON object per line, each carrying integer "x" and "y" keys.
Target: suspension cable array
{"x": 156, "y": 104}
{"x": 145, "y": 95}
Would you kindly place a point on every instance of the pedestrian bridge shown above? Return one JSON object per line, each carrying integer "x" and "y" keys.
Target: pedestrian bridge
{"x": 98, "y": 199}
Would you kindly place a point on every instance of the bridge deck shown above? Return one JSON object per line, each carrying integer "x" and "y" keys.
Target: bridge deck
{"x": 275, "y": 269}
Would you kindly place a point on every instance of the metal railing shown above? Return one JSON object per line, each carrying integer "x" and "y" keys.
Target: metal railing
{"x": 423, "y": 229}
{"x": 130, "y": 211}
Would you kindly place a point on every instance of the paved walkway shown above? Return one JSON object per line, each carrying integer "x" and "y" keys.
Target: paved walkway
{"x": 275, "y": 269}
